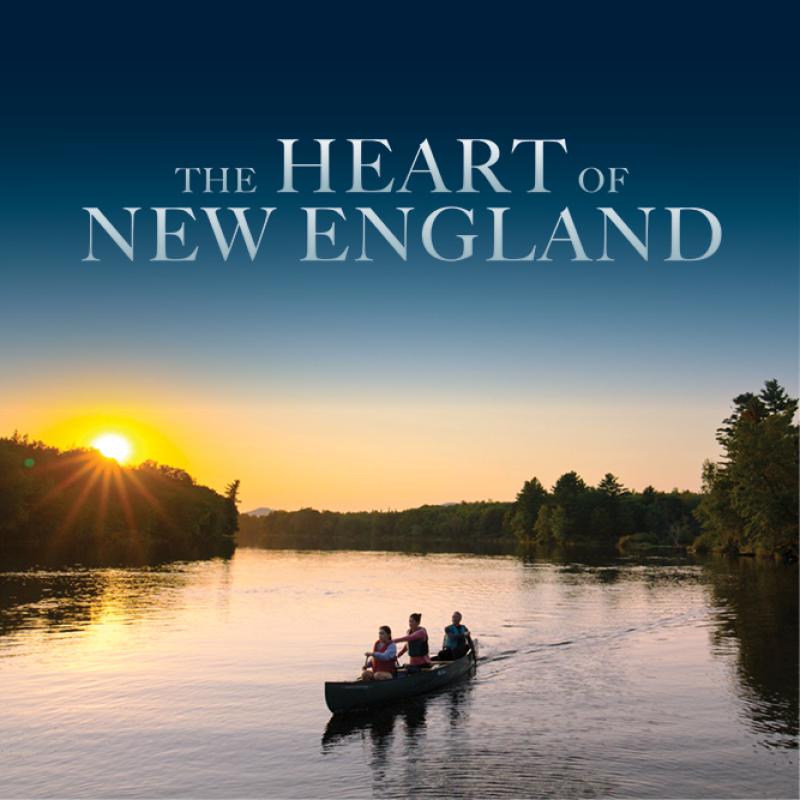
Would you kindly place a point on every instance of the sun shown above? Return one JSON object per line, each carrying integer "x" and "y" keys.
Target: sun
{"x": 112, "y": 445}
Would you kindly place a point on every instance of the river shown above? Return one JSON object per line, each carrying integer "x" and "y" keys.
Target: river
{"x": 599, "y": 676}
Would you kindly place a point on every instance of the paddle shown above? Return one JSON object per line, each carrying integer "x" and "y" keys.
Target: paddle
{"x": 472, "y": 649}
{"x": 366, "y": 664}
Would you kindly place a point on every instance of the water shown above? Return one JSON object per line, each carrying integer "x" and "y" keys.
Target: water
{"x": 611, "y": 677}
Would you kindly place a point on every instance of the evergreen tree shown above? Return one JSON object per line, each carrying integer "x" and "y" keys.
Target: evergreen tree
{"x": 571, "y": 517}
{"x": 750, "y": 499}
{"x": 611, "y": 486}
{"x": 232, "y": 498}
{"x": 530, "y": 500}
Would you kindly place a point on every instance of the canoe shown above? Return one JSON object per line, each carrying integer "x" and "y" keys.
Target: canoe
{"x": 350, "y": 695}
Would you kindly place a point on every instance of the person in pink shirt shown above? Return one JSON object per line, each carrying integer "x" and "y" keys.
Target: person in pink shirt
{"x": 417, "y": 638}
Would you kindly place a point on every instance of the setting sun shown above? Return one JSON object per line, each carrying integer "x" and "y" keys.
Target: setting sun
{"x": 112, "y": 445}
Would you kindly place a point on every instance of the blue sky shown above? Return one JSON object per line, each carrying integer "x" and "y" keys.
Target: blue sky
{"x": 231, "y": 338}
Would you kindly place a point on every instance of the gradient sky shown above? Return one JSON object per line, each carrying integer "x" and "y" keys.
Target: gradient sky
{"x": 390, "y": 384}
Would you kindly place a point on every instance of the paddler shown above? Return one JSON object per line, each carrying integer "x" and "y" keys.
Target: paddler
{"x": 417, "y": 638}
{"x": 456, "y": 640}
{"x": 383, "y": 657}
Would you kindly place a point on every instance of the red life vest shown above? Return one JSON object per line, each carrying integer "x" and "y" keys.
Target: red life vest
{"x": 377, "y": 664}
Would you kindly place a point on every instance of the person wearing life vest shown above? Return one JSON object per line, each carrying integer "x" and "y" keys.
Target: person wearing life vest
{"x": 417, "y": 648}
{"x": 456, "y": 640}
{"x": 382, "y": 657}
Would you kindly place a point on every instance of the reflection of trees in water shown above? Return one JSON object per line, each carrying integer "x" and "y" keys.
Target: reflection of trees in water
{"x": 72, "y": 600}
{"x": 570, "y": 557}
{"x": 757, "y": 612}
{"x": 583, "y": 565}
{"x": 50, "y": 601}
{"x": 419, "y": 546}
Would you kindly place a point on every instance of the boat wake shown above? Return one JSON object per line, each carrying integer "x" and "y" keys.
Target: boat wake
{"x": 693, "y": 616}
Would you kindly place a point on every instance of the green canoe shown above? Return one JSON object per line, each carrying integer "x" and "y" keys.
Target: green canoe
{"x": 350, "y": 695}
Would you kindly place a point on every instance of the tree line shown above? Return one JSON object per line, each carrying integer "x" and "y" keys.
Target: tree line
{"x": 464, "y": 524}
{"x": 748, "y": 504}
{"x": 572, "y": 513}
{"x": 78, "y": 506}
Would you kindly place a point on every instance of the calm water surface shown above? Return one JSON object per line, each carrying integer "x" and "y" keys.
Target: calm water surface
{"x": 620, "y": 678}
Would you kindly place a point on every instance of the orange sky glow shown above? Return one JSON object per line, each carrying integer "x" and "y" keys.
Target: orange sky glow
{"x": 382, "y": 452}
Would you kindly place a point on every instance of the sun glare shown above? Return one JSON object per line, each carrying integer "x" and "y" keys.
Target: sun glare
{"x": 112, "y": 445}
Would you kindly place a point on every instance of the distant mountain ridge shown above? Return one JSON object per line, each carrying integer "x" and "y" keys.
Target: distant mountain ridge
{"x": 261, "y": 511}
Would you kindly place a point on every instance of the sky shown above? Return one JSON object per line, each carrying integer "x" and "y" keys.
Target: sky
{"x": 389, "y": 384}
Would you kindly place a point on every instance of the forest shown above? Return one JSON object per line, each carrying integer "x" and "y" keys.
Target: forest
{"x": 748, "y": 504}
{"x": 77, "y": 506}
{"x": 572, "y": 513}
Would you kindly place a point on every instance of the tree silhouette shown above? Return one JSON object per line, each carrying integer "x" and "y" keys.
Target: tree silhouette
{"x": 65, "y": 506}
{"x": 611, "y": 486}
{"x": 751, "y": 498}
